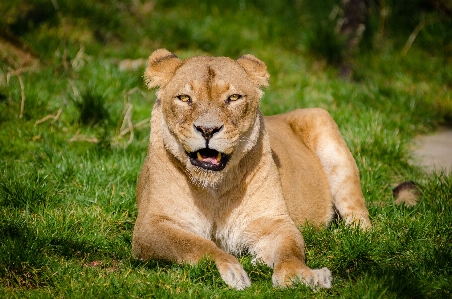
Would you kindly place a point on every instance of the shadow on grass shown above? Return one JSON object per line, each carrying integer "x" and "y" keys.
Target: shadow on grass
{"x": 22, "y": 259}
{"x": 30, "y": 191}
{"x": 28, "y": 244}
{"x": 26, "y": 254}
{"x": 407, "y": 255}
{"x": 395, "y": 280}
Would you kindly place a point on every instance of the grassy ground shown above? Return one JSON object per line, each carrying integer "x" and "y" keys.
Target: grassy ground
{"x": 69, "y": 166}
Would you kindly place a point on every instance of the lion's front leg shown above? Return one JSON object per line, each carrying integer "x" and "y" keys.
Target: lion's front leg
{"x": 320, "y": 133}
{"x": 278, "y": 243}
{"x": 161, "y": 238}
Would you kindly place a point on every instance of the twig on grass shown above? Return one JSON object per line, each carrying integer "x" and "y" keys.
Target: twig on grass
{"x": 77, "y": 137}
{"x": 414, "y": 34}
{"x": 80, "y": 59}
{"x": 16, "y": 72}
{"x": 128, "y": 118}
{"x": 143, "y": 123}
{"x": 22, "y": 92}
{"x": 21, "y": 83}
{"x": 50, "y": 116}
{"x": 127, "y": 126}
{"x": 74, "y": 89}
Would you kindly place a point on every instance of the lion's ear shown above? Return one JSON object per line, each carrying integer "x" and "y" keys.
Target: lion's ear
{"x": 161, "y": 67}
{"x": 256, "y": 69}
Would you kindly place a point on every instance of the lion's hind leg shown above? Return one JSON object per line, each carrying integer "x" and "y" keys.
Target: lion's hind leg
{"x": 321, "y": 135}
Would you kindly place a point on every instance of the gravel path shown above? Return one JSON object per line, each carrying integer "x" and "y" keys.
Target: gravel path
{"x": 434, "y": 152}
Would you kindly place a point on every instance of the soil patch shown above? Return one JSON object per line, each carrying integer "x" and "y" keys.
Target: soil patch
{"x": 16, "y": 53}
{"x": 434, "y": 152}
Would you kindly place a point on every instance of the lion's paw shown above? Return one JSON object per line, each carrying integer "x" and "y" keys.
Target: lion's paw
{"x": 320, "y": 278}
{"x": 234, "y": 275}
{"x": 315, "y": 278}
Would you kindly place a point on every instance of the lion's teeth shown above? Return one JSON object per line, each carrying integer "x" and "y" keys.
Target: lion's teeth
{"x": 199, "y": 156}
{"x": 219, "y": 157}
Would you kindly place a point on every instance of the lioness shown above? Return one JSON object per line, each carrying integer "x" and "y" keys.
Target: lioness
{"x": 220, "y": 178}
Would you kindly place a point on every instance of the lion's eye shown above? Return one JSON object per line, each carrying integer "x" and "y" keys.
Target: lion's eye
{"x": 234, "y": 97}
{"x": 184, "y": 98}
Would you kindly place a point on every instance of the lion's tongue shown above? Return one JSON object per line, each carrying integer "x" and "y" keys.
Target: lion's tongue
{"x": 214, "y": 160}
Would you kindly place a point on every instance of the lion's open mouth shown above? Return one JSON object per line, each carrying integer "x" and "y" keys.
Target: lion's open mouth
{"x": 209, "y": 159}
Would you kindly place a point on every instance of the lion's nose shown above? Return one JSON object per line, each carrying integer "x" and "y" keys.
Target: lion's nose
{"x": 208, "y": 132}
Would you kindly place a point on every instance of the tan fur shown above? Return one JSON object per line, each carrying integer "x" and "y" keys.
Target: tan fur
{"x": 282, "y": 171}
{"x": 406, "y": 193}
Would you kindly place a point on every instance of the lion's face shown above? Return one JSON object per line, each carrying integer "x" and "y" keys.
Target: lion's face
{"x": 210, "y": 112}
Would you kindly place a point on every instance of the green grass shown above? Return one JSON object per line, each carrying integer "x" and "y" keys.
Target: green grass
{"x": 67, "y": 182}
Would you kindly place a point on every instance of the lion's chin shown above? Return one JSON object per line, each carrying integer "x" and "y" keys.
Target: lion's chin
{"x": 209, "y": 159}
{"x": 206, "y": 179}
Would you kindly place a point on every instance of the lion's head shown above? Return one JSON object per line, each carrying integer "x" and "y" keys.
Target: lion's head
{"x": 210, "y": 109}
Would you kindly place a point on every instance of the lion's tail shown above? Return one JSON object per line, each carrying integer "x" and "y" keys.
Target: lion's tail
{"x": 406, "y": 193}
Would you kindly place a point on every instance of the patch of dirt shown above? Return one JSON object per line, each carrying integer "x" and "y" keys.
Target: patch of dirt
{"x": 434, "y": 152}
{"x": 15, "y": 53}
